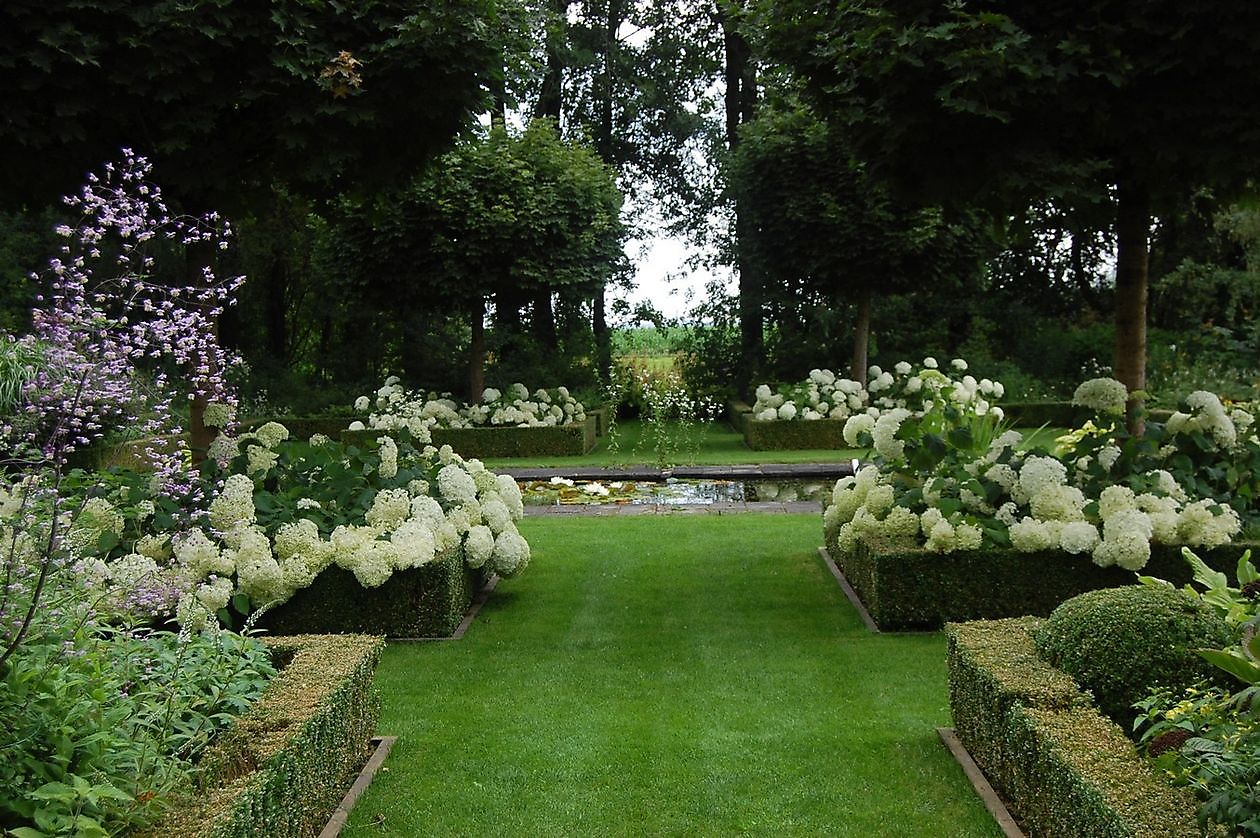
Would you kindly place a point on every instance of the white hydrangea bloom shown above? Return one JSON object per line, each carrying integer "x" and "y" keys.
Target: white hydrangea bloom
{"x": 490, "y": 395}
{"x": 218, "y": 415}
{"x": 511, "y": 553}
{"x": 496, "y": 515}
{"x": 1058, "y": 503}
{"x": 272, "y": 434}
{"x": 787, "y": 412}
{"x": 1038, "y": 473}
{"x": 1129, "y": 549}
{"x": 1030, "y": 535}
{"x": 930, "y": 363}
{"x": 857, "y": 424}
{"x": 885, "y": 434}
{"x": 260, "y": 459}
{"x": 234, "y": 505}
{"x": 413, "y": 541}
{"x": 968, "y": 537}
{"x": 1078, "y": 537}
{"x": 456, "y": 485}
{"x": 389, "y": 457}
{"x": 201, "y": 556}
{"x": 1105, "y": 395}
{"x": 1115, "y": 499}
{"x": 478, "y": 546}
{"x": 1205, "y": 523}
{"x": 389, "y": 508}
{"x": 1107, "y": 456}
{"x": 156, "y": 547}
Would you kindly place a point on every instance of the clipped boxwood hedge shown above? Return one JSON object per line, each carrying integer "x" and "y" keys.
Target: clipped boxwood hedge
{"x": 1063, "y": 769}
{"x": 428, "y": 601}
{"x": 570, "y": 440}
{"x": 573, "y": 439}
{"x": 282, "y": 768}
{"x": 795, "y": 435}
{"x": 738, "y": 414}
{"x": 916, "y": 589}
{"x": 601, "y": 416}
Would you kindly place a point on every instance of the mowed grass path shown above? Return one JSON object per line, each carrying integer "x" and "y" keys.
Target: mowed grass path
{"x": 669, "y": 675}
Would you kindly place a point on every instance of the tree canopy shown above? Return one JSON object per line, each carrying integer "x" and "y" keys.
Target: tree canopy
{"x": 228, "y": 98}
{"x": 1089, "y": 100}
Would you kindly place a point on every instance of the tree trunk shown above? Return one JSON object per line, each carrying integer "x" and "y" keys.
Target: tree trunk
{"x": 477, "y": 353}
{"x": 861, "y": 335}
{"x": 545, "y": 320}
{"x": 550, "y": 101}
{"x": 276, "y": 309}
{"x": 603, "y": 337}
{"x": 1133, "y": 221}
{"x": 741, "y": 104}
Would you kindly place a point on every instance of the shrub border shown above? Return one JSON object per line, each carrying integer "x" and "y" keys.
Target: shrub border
{"x": 431, "y": 601}
{"x": 382, "y": 745}
{"x": 798, "y": 434}
{"x": 281, "y": 768}
{"x": 913, "y": 589}
{"x": 1062, "y": 767}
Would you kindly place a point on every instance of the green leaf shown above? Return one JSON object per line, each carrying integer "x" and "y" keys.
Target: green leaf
{"x": 1204, "y": 575}
{"x": 240, "y": 603}
{"x": 1246, "y": 570}
{"x": 1235, "y": 664}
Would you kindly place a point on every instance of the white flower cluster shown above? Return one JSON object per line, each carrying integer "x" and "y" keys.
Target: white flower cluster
{"x": 825, "y": 396}
{"x": 395, "y": 407}
{"x": 473, "y": 513}
{"x": 1205, "y": 413}
{"x": 1036, "y": 504}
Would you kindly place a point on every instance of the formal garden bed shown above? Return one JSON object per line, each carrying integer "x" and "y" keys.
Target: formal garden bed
{"x": 1063, "y": 768}
{"x": 283, "y": 766}
{"x": 916, "y": 589}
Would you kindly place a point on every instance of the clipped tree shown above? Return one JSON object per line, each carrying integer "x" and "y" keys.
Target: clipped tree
{"x": 527, "y": 212}
{"x": 1087, "y": 100}
{"x": 818, "y": 224}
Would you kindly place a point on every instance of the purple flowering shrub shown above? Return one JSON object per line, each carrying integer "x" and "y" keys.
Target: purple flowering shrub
{"x": 100, "y": 717}
{"x": 120, "y": 346}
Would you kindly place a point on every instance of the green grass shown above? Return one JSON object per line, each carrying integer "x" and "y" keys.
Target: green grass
{"x": 713, "y": 444}
{"x": 671, "y": 675}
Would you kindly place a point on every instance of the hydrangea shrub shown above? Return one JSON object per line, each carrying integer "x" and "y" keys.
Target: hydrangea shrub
{"x": 1102, "y": 492}
{"x": 393, "y": 407}
{"x": 284, "y": 510}
{"x": 824, "y": 395}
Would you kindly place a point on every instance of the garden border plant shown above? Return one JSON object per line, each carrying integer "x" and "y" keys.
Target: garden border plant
{"x": 283, "y": 767}
{"x": 914, "y": 589}
{"x": 1063, "y": 768}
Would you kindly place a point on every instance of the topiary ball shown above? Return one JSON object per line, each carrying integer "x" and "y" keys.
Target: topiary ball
{"x": 1119, "y": 642}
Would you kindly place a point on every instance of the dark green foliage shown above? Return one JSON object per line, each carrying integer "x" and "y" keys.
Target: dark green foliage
{"x": 94, "y": 729}
{"x": 1054, "y": 414}
{"x": 820, "y": 433}
{"x": 229, "y": 100}
{"x": 427, "y": 601}
{"x": 1120, "y": 643}
{"x": 284, "y": 766}
{"x": 915, "y": 589}
{"x": 559, "y": 440}
{"x": 1063, "y": 769}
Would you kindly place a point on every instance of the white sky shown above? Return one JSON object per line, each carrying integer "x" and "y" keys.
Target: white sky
{"x": 663, "y": 276}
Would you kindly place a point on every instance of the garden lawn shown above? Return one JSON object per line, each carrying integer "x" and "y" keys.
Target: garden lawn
{"x": 669, "y": 675}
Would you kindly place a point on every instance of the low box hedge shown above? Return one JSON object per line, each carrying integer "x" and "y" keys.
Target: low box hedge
{"x": 916, "y": 589}
{"x": 737, "y": 414}
{"x": 428, "y": 601}
{"x": 1063, "y": 769}
{"x": 794, "y": 435}
{"x": 570, "y": 440}
{"x": 574, "y": 439}
{"x": 282, "y": 768}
